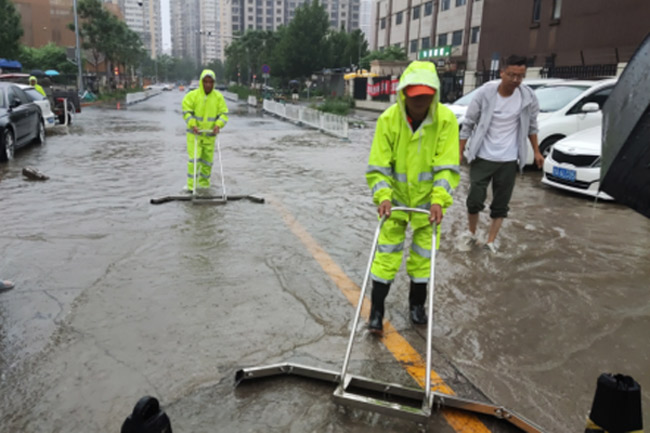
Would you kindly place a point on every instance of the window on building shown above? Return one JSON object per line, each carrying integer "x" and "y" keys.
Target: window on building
{"x": 269, "y": 11}
{"x": 416, "y": 12}
{"x": 250, "y": 27}
{"x": 414, "y": 46}
{"x": 250, "y": 10}
{"x": 343, "y": 14}
{"x": 355, "y": 17}
{"x": 398, "y": 18}
{"x": 269, "y": 20}
{"x": 426, "y": 44}
{"x": 278, "y": 11}
{"x": 333, "y": 23}
{"x": 537, "y": 6}
{"x": 258, "y": 19}
{"x": 278, "y": 20}
{"x": 557, "y": 9}
{"x": 279, "y": 3}
{"x": 475, "y": 33}
{"x": 428, "y": 8}
{"x": 333, "y": 15}
{"x": 382, "y": 23}
{"x": 457, "y": 38}
{"x": 444, "y": 5}
{"x": 259, "y": 27}
{"x": 397, "y": 45}
{"x": 461, "y": 2}
{"x": 442, "y": 39}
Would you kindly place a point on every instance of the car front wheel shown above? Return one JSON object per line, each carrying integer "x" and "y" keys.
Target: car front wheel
{"x": 7, "y": 146}
{"x": 547, "y": 145}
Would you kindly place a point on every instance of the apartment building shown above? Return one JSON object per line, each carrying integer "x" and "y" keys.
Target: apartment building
{"x": 199, "y": 29}
{"x": 144, "y": 18}
{"x": 46, "y": 21}
{"x": 271, "y": 14}
{"x": 467, "y": 39}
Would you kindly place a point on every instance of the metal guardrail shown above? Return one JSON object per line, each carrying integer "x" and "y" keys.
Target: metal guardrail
{"x": 326, "y": 122}
{"x": 230, "y": 95}
{"x": 132, "y": 98}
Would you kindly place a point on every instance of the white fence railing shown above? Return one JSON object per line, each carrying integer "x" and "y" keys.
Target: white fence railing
{"x": 132, "y": 98}
{"x": 326, "y": 122}
{"x": 230, "y": 95}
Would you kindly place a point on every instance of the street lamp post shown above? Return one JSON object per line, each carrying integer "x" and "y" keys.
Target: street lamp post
{"x": 80, "y": 78}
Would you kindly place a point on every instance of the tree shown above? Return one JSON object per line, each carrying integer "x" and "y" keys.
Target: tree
{"x": 304, "y": 47}
{"x": 49, "y": 56}
{"x": 390, "y": 53}
{"x": 11, "y": 32}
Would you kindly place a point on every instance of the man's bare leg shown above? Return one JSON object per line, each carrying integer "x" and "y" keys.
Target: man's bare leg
{"x": 472, "y": 219}
{"x": 494, "y": 229}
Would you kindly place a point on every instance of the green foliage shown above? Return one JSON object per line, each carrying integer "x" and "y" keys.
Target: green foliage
{"x": 49, "y": 56}
{"x": 11, "y": 30}
{"x": 391, "y": 53}
{"x": 241, "y": 91}
{"x": 105, "y": 35}
{"x": 295, "y": 51}
{"x": 339, "y": 106}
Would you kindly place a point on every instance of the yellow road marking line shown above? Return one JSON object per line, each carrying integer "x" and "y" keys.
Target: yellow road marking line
{"x": 397, "y": 345}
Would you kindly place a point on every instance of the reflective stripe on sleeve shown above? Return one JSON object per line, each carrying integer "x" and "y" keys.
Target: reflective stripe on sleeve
{"x": 386, "y": 171}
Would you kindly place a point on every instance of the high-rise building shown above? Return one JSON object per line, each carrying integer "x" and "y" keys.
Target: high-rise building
{"x": 197, "y": 29}
{"x": 271, "y": 14}
{"x": 46, "y": 21}
{"x": 144, "y": 18}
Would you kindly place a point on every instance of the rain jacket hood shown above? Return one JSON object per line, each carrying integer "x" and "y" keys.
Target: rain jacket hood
{"x": 423, "y": 73}
{"x": 33, "y": 78}
{"x": 207, "y": 73}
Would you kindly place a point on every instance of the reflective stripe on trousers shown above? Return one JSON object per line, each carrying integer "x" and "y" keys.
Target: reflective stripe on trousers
{"x": 204, "y": 158}
{"x": 390, "y": 249}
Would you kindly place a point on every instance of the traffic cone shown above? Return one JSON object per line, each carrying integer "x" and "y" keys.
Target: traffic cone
{"x": 616, "y": 407}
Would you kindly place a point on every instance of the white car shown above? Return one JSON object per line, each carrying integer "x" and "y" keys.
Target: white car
{"x": 42, "y": 102}
{"x": 459, "y": 106}
{"x": 574, "y": 163}
{"x": 567, "y": 107}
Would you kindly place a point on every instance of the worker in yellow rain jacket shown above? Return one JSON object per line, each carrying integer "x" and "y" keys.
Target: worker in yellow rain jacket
{"x": 205, "y": 113}
{"x": 414, "y": 162}
{"x": 34, "y": 83}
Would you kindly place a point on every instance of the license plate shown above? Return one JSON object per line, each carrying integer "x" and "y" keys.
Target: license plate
{"x": 564, "y": 173}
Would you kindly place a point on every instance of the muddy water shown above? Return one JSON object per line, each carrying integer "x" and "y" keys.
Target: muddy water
{"x": 117, "y": 298}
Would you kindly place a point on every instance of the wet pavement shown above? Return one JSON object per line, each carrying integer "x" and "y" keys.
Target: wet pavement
{"x": 116, "y": 298}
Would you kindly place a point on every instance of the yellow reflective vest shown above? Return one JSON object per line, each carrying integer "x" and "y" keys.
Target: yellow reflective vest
{"x": 415, "y": 168}
{"x": 205, "y": 111}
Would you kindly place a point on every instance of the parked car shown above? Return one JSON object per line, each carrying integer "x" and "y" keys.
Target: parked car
{"x": 567, "y": 107}
{"x": 20, "y": 121}
{"x": 459, "y": 106}
{"x": 574, "y": 163}
{"x": 59, "y": 95}
{"x": 42, "y": 102}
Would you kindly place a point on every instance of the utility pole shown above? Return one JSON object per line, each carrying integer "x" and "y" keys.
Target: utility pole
{"x": 80, "y": 77}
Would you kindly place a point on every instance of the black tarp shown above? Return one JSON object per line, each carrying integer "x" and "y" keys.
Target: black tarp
{"x": 625, "y": 169}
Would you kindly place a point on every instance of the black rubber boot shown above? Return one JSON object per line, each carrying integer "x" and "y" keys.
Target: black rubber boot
{"x": 379, "y": 292}
{"x": 417, "y": 297}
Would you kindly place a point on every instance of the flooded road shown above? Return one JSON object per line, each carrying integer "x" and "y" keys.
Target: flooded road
{"x": 116, "y": 298}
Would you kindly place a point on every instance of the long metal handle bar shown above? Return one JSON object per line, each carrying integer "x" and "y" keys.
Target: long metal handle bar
{"x": 355, "y": 322}
{"x": 196, "y": 150}
{"x": 223, "y": 183}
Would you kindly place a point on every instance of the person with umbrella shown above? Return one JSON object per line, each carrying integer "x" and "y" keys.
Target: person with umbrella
{"x": 34, "y": 83}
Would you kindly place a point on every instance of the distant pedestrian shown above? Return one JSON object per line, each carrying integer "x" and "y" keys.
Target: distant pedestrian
{"x": 34, "y": 83}
{"x": 499, "y": 121}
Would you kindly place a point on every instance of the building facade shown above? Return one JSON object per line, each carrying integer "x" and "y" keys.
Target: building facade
{"x": 271, "y": 14}
{"x": 46, "y": 21}
{"x": 468, "y": 39}
{"x": 144, "y": 18}
{"x": 197, "y": 29}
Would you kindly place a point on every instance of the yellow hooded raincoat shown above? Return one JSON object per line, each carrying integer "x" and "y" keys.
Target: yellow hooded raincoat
{"x": 204, "y": 112}
{"x": 412, "y": 169}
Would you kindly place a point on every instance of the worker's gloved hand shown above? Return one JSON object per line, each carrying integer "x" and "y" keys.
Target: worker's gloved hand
{"x": 384, "y": 208}
{"x": 195, "y": 130}
{"x": 216, "y": 129}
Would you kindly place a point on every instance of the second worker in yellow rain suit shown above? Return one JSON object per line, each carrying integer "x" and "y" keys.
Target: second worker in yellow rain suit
{"x": 413, "y": 163}
{"x": 205, "y": 113}
{"x": 34, "y": 83}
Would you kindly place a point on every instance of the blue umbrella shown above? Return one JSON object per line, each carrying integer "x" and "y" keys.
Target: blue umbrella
{"x": 51, "y": 72}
